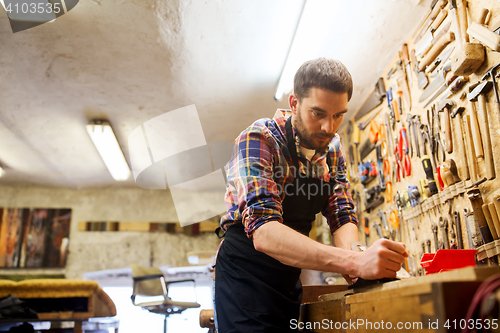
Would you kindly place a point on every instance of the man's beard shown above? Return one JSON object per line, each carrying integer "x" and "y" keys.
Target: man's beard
{"x": 307, "y": 139}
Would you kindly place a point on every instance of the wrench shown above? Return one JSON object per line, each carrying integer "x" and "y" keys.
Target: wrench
{"x": 409, "y": 119}
{"x": 458, "y": 228}
{"x": 416, "y": 126}
{"x": 435, "y": 232}
{"x": 443, "y": 226}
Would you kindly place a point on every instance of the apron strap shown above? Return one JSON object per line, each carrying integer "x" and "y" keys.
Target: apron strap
{"x": 217, "y": 232}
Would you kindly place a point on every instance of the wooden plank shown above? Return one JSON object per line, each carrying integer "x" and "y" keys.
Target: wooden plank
{"x": 133, "y": 226}
{"x": 462, "y": 274}
{"x": 311, "y": 293}
{"x": 322, "y": 316}
{"x": 424, "y": 307}
{"x": 337, "y": 295}
{"x": 420, "y": 289}
{"x": 385, "y": 315}
{"x": 82, "y": 226}
{"x": 208, "y": 226}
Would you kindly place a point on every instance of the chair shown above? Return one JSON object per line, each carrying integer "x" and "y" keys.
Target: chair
{"x": 149, "y": 281}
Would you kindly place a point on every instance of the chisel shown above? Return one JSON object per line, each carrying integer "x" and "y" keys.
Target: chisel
{"x": 432, "y": 16}
{"x": 406, "y": 61}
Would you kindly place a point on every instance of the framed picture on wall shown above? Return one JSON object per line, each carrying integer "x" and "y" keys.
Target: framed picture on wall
{"x": 36, "y": 238}
{"x": 12, "y": 222}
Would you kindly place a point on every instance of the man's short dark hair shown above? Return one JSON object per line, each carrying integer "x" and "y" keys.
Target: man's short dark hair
{"x": 322, "y": 73}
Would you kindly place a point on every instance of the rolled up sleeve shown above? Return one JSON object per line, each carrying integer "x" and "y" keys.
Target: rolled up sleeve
{"x": 340, "y": 207}
{"x": 250, "y": 180}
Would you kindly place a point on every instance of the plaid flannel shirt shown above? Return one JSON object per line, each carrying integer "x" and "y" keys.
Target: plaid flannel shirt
{"x": 258, "y": 169}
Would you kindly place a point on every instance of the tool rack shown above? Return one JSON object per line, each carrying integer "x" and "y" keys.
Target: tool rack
{"x": 432, "y": 144}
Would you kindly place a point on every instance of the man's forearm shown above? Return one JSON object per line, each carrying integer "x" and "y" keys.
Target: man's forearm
{"x": 382, "y": 259}
{"x": 294, "y": 249}
{"x": 343, "y": 236}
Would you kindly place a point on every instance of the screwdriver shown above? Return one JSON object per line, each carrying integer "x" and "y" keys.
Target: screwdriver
{"x": 367, "y": 229}
{"x": 426, "y": 163}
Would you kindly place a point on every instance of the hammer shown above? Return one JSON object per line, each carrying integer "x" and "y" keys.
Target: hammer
{"x": 481, "y": 219}
{"x": 473, "y": 171}
{"x": 478, "y": 94}
{"x": 469, "y": 56}
{"x": 489, "y": 72}
{"x": 461, "y": 136}
{"x": 445, "y": 106}
{"x": 476, "y": 132}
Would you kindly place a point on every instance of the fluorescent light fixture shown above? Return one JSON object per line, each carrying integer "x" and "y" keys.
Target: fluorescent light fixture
{"x": 105, "y": 141}
{"x": 310, "y": 33}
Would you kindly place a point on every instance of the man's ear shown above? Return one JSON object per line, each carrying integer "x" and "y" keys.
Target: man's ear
{"x": 293, "y": 101}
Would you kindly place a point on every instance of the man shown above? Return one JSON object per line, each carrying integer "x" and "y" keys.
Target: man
{"x": 283, "y": 171}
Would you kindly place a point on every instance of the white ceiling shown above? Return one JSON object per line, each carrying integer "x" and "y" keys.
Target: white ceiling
{"x": 130, "y": 61}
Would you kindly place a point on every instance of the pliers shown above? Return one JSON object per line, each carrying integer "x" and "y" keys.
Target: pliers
{"x": 403, "y": 150}
{"x": 424, "y": 131}
{"x": 438, "y": 145}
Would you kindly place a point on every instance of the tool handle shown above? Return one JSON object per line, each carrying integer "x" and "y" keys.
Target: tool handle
{"x": 447, "y": 131}
{"x": 436, "y": 49}
{"x": 394, "y": 105}
{"x": 463, "y": 152}
{"x": 440, "y": 177}
{"x": 470, "y": 145}
{"x": 494, "y": 214}
{"x": 413, "y": 59}
{"x": 483, "y": 15}
{"x": 484, "y": 35}
{"x": 456, "y": 26}
{"x": 462, "y": 18}
{"x": 404, "y": 139}
{"x": 476, "y": 132}
{"x": 437, "y": 37}
{"x": 404, "y": 51}
{"x": 489, "y": 220}
{"x": 447, "y": 176}
{"x": 426, "y": 163}
{"x": 476, "y": 201}
{"x": 379, "y": 230}
{"x": 453, "y": 170}
{"x": 436, "y": 9}
{"x": 439, "y": 19}
{"x": 400, "y": 105}
{"x": 366, "y": 228}
{"x": 355, "y": 135}
{"x": 488, "y": 152}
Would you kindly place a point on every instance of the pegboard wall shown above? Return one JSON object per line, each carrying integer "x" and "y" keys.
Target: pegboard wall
{"x": 438, "y": 113}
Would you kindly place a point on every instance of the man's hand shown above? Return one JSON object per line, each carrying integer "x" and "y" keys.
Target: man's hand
{"x": 381, "y": 260}
{"x": 350, "y": 279}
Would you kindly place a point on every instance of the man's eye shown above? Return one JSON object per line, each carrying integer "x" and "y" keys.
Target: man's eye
{"x": 337, "y": 116}
{"x": 316, "y": 114}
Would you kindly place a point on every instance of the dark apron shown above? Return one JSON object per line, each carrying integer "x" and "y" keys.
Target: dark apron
{"x": 253, "y": 291}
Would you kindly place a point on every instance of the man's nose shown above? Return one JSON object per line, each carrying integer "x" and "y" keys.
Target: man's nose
{"x": 328, "y": 126}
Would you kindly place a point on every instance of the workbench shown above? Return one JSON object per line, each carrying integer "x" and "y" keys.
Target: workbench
{"x": 420, "y": 304}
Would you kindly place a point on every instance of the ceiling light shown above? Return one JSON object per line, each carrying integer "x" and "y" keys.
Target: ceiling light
{"x": 310, "y": 33}
{"x": 2, "y": 171}
{"x": 105, "y": 141}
